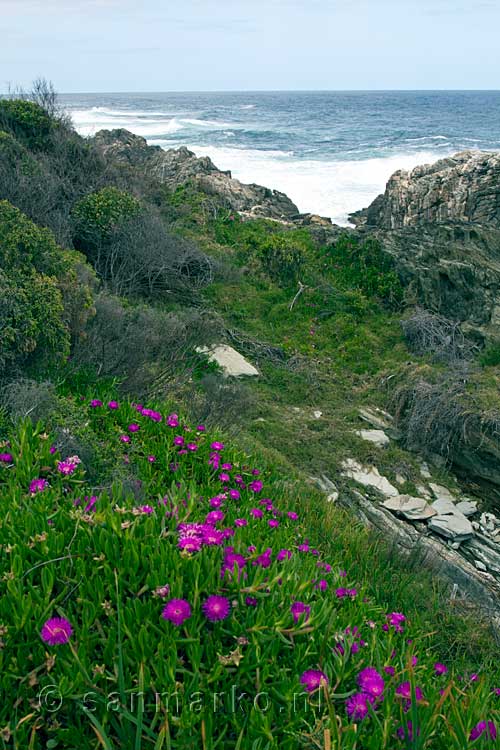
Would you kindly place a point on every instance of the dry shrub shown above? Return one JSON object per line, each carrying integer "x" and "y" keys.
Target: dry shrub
{"x": 428, "y": 333}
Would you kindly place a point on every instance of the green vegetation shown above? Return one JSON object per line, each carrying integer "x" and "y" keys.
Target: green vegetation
{"x": 320, "y": 316}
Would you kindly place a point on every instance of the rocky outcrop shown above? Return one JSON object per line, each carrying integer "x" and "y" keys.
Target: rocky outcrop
{"x": 176, "y": 167}
{"x": 441, "y": 224}
{"x": 463, "y": 188}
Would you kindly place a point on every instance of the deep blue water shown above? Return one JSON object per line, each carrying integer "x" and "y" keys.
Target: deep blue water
{"x": 332, "y": 152}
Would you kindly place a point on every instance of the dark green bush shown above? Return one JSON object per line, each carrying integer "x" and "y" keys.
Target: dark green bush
{"x": 27, "y": 121}
{"x": 490, "y": 356}
{"x": 98, "y": 215}
{"x": 45, "y": 294}
{"x": 365, "y": 266}
{"x": 281, "y": 258}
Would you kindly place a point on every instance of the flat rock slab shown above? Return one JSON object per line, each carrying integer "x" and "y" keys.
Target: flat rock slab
{"x": 369, "y": 477}
{"x": 456, "y": 527}
{"x": 412, "y": 508}
{"x": 231, "y": 362}
{"x": 377, "y": 437}
{"x": 467, "y": 507}
{"x": 444, "y": 507}
{"x": 442, "y": 493}
{"x": 376, "y": 417}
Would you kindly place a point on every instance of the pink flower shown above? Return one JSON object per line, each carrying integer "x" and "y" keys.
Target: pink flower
{"x": 234, "y": 494}
{"x": 241, "y": 522}
{"x": 95, "y": 403}
{"x": 38, "y": 485}
{"x": 273, "y": 523}
{"x": 151, "y": 459}
{"x": 113, "y": 405}
{"x": 217, "y": 446}
{"x": 125, "y": 438}
{"x": 216, "y": 608}
{"x": 56, "y": 631}
{"x": 487, "y": 728}
{"x": 357, "y": 706}
{"x": 256, "y": 486}
{"x": 371, "y": 682}
{"x": 292, "y": 515}
{"x": 173, "y": 420}
{"x": 176, "y": 611}
{"x": 134, "y": 427}
{"x": 298, "y": 609}
{"x": 440, "y": 668}
{"x": 312, "y": 679}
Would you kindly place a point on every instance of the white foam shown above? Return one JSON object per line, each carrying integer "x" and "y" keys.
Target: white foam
{"x": 328, "y": 188}
{"x": 88, "y": 122}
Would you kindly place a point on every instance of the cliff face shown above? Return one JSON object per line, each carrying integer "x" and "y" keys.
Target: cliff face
{"x": 463, "y": 188}
{"x": 175, "y": 167}
{"x": 441, "y": 223}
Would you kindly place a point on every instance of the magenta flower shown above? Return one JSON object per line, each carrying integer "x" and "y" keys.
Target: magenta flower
{"x": 192, "y": 447}
{"x": 298, "y": 609}
{"x": 292, "y": 515}
{"x": 173, "y": 420}
{"x": 234, "y": 494}
{"x": 404, "y": 691}
{"x": 224, "y": 477}
{"x": 256, "y": 486}
{"x": 134, "y": 427}
{"x": 256, "y": 513}
{"x": 312, "y": 679}
{"x": 357, "y": 706}
{"x": 322, "y": 585}
{"x": 214, "y": 516}
{"x": 396, "y": 619}
{"x": 95, "y": 403}
{"x": 113, "y": 405}
{"x": 177, "y": 611}
{"x": 200, "y": 428}
{"x": 241, "y": 522}
{"x": 217, "y": 446}
{"x": 283, "y": 554}
{"x": 343, "y": 593}
{"x": 151, "y": 459}
{"x": 371, "y": 682}
{"x": 487, "y": 728}
{"x": 406, "y": 732}
{"x": 190, "y": 544}
{"x": 6, "y": 458}
{"x": 251, "y": 601}
{"x": 212, "y": 537}
{"x": 38, "y": 485}
{"x": 56, "y": 631}
{"x": 440, "y": 668}
{"x": 273, "y": 523}
{"x": 390, "y": 671}
{"x": 216, "y": 608}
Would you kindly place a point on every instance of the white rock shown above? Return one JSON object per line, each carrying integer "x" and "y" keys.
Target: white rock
{"x": 444, "y": 507}
{"x": 400, "y": 479}
{"x": 232, "y": 363}
{"x": 456, "y": 526}
{"x": 425, "y": 471}
{"x": 317, "y": 414}
{"x": 480, "y": 565}
{"x": 412, "y": 508}
{"x": 441, "y": 492}
{"x": 377, "y": 437}
{"x": 423, "y": 490}
{"x": 376, "y": 417}
{"x": 467, "y": 507}
{"x": 369, "y": 477}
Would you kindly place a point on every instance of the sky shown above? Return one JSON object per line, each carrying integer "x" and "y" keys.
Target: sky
{"x": 238, "y": 45}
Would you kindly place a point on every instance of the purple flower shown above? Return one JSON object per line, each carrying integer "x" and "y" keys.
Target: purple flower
{"x": 343, "y": 593}
{"x": 241, "y": 522}
{"x": 256, "y": 486}
{"x": 190, "y": 544}
{"x": 256, "y": 513}
{"x": 200, "y": 428}
{"x": 212, "y": 537}
{"x": 292, "y": 515}
{"x": 273, "y": 523}
{"x": 390, "y": 671}
{"x": 483, "y": 727}
{"x": 134, "y": 427}
{"x": 251, "y": 601}
{"x": 38, "y": 485}
{"x": 234, "y": 494}
{"x": 264, "y": 560}
{"x": 357, "y": 706}
{"x": 406, "y": 732}
{"x": 192, "y": 447}
{"x": 404, "y": 691}
{"x": 151, "y": 459}
{"x": 95, "y": 403}
{"x": 283, "y": 554}
{"x": 440, "y": 668}
{"x": 298, "y": 609}
{"x": 322, "y": 585}
{"x": 56, "y": 631}
{"x": 214, "y": 516}
{"x": 216, "y": 608}
{"x": 312, "y": 679}
{"x": 217, "y": 446}
{"x": 173, "y": 420}
{"x": 125, "y": 438}
{"x": 178, "y": 440}
{"x": 224, "y": 477}
{"x": 6, "y": 458}
{"x": 396, "y": 619}
{"x": 371, "y": 682}
{"x": 113, "y": 405}
{"x": 177, "y": 611}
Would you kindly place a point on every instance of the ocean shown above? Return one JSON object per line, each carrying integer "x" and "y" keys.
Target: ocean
{"x": 332, "y": 152}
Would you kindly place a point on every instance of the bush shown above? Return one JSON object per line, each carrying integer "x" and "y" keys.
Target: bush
{"x": 443, "y": 339}
{"x": 490, "y": 356}
{"x": 365, "y": 266}
{"x": 140, "y": 257}
{"x": 281, "y": 258}
{"x": 98, "y": 215}
{"x": 27, "y": 121}
{"x": 40, "y": 285}
{"x": 142, "y": 346}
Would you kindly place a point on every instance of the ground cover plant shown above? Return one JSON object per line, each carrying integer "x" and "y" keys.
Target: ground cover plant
{"x": 194, "y": 607}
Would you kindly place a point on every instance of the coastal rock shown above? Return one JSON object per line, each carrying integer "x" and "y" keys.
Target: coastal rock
{"x": 453, "y": 526}
{"x": 467, "y": 507}
{"x": 377, "y": 437}
{"x": 411, "y": 508}
{"x": 176, "y": 167}
{"x": 369, "y": 477}
{"x": 461, "y": 188}
{"x": 231, "y": 362}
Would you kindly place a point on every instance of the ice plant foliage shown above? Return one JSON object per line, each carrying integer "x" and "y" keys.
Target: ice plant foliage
{"x": 195, "y": 574}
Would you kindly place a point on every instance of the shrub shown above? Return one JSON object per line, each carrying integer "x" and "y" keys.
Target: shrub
{"x": 97, "y": 216}
{"x": 27, "y": 121}
{"x": 40, "y": 285}
{"x": 443, "y": 339}
{"x": 365, "y": 266}
{"x": 140, "y": 257}
{"x": 281, "y": 258}
{"x": 490, "y": 356}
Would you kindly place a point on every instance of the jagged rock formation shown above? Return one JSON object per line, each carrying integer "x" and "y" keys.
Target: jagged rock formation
{"x": 463, "y": 188}
{"x": 441, "y": 223}
{"x": 175, "y": 167}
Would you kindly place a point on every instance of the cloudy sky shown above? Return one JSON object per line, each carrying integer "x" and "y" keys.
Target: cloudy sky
{"x": 182, "y": 45}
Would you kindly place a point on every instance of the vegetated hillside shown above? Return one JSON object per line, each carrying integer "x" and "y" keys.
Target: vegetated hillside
{"x": 113, "y": 281}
